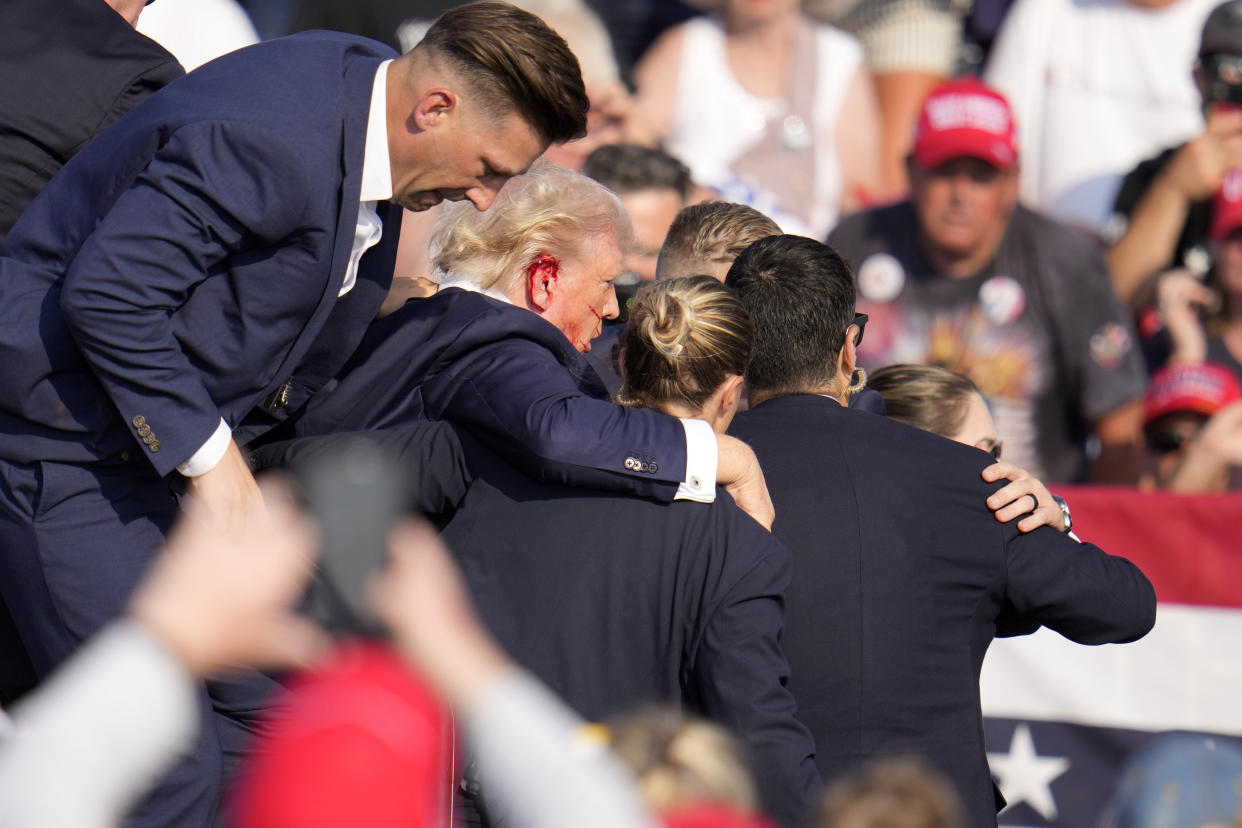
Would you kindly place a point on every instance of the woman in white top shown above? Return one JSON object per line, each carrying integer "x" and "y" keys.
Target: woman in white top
{"x": 769, "y": 108}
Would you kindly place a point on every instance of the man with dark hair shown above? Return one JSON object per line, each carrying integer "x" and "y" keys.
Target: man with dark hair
{"x": 205, "y": 267}
{"x": 903, "y": 574}
{"x": 653, "y": 186}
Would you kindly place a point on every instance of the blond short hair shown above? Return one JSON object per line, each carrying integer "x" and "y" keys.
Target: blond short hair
{"x": 705, "y": 235}
{"x": 547, "y": 210}
{"x": 681, "y": 761}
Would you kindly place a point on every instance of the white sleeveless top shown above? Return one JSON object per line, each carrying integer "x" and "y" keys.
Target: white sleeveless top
{"x": 716, "y": 121}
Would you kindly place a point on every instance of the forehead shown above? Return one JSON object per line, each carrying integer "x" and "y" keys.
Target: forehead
{"x": 977, "y": 424}
{"x": 508, "y": 143}
{"x": 597, "y": 255}
{"x": 975, "y": 168}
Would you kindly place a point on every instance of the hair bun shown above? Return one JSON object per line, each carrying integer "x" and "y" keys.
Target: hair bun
{"x": 670, "y": 325}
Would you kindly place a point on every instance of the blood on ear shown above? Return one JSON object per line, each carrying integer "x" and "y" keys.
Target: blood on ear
{"x": 540, "y": 274}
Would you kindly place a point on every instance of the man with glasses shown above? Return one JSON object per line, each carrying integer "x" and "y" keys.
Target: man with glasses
{"x": 903, "y": 574}
{"x": 962, "y": 276}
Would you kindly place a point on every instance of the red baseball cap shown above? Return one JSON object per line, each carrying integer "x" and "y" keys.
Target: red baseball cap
{"x": 1199, "y": 389}
{"x": 714, "y": 815}
{"x": 1227, "y": 206}
{"x": 965, "y": 118}
{"x": 359, "y": 741}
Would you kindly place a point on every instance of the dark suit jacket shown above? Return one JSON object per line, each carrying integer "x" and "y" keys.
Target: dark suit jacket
{"x": 515, "y": 381}
{"x": 185, "y": 265}
{"x": 902, "y": 577}
{"x": 70, "y": 70}
{"x": 618, "y": 601}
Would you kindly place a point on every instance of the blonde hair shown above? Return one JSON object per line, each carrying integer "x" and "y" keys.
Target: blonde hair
{"x": 708, "y": 234}
{"x": 546, "y": 210}
{"x": 681, "y": 761}
{"x": 929, "y": 397}
{"x": 683, "y": 339}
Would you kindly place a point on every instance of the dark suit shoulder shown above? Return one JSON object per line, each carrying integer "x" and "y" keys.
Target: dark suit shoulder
{"x": 453, "y": 323}
{"x": 880, "y": 444}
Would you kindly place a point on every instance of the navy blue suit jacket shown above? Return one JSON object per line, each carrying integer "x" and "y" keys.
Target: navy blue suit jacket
{"x": 902, "y": 577}
{"x": 619, "y": 601}
{"x": 515, "y": 381}
{"x": 185, "y": 265}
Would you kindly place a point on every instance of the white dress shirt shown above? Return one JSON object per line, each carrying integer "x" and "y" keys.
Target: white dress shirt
{"x": 376, "y": 186}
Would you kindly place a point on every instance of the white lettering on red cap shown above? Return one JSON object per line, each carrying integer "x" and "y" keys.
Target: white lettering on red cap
{"x": 957, "y": 111}
{"x": 1231, "y": 186}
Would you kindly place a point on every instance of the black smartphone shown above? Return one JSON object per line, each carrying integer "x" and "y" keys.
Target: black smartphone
{"x": 356, "y": 491}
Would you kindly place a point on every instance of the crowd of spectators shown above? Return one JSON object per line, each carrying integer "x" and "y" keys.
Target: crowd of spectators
{"x": 694, "y": 550}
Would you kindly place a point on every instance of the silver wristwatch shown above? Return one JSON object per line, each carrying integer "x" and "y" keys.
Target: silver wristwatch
{"x": 1065, "y": 515}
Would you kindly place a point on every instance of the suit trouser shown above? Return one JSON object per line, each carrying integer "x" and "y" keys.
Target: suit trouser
{"x": 75, "y": 541}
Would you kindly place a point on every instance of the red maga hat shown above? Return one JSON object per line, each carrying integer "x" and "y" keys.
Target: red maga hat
{"x": 1200, "y": 389}
{"x": 965, "y": 118}
{"x": 361, "y": 740}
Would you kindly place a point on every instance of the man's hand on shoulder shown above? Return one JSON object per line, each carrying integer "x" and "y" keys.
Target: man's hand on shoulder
{"x": 1023, "y": 495}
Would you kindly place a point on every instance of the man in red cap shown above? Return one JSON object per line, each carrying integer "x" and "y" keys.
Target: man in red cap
{"x": 961, "y": 275}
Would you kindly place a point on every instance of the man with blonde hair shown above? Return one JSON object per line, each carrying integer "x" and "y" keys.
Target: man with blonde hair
{"x": 704, "y": 239}
{"x": 524, "y": 288}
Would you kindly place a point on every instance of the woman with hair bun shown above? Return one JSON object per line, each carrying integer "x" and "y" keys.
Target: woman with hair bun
{"x": 685, "y": 350}
{"x": 616, "y": 601}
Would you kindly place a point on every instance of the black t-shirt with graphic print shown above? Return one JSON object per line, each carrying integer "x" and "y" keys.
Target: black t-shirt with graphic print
{"x": 1039, "y": 330}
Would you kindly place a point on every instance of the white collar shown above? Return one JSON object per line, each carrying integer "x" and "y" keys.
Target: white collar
{"x": 451, "y": 281}
{"x": 376, "y": 165}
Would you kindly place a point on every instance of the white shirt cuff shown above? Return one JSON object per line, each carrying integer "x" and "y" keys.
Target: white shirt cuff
{"x": 701, "y": 459}
{"x": 209, "y": 454}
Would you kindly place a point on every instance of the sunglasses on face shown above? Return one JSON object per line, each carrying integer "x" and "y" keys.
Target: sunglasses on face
{"x": 1166, "y": 442}
{"x": 993, "y": 449}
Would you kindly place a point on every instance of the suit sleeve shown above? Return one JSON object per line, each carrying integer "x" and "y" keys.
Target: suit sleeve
{"x": 1074, "y": 588}
{"x": 521, "y": 402}
{"x": 212, "y": 190}
{"x": 427, "y": 453}
{"x": 740, "y": 673}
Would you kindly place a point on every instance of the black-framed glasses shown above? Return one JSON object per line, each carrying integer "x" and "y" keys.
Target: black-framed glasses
{"x": 860, "y": 322}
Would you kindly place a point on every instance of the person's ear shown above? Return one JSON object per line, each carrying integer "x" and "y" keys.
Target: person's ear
{"x": 434, "y": 107}
{"x": 847, "y": 360}
{"x": 732, "y": 395}
{"x": 541, "y": 276}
